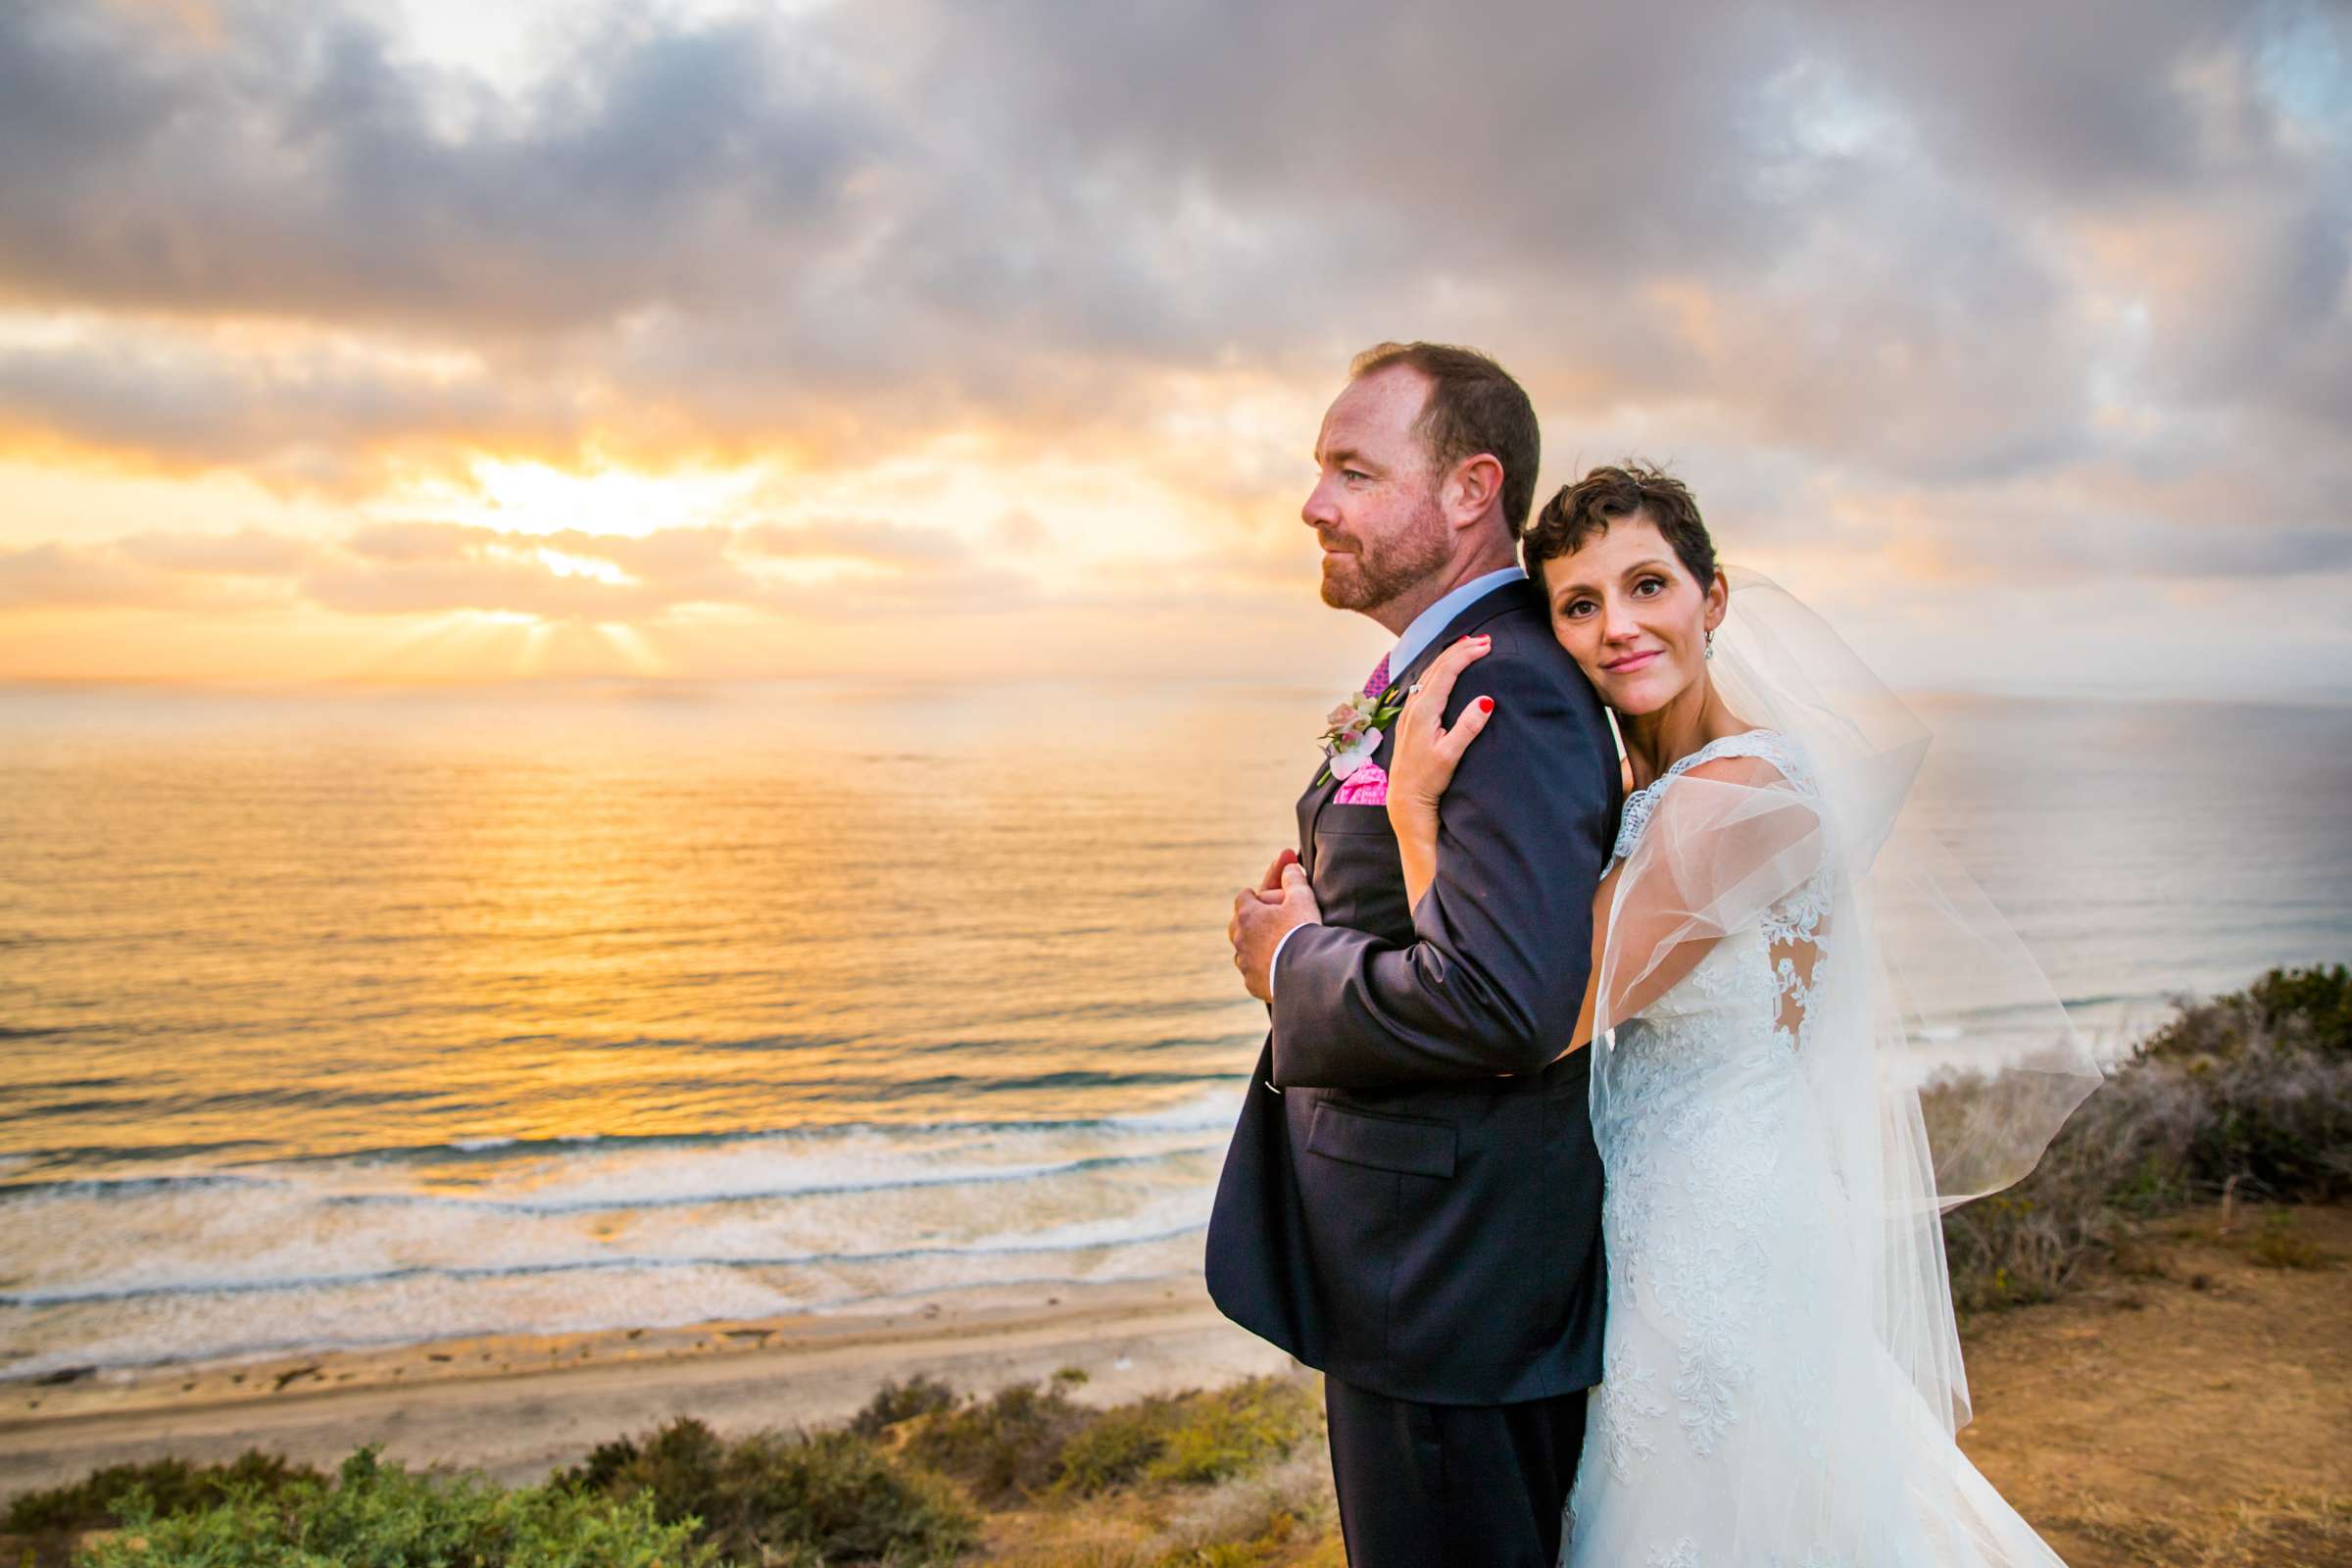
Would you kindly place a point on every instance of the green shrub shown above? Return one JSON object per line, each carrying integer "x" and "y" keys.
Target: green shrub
{"x": 895, "y": 1402}
{"x": 379, "y": 1516}
{"x": 1188, "y": 1439}
{"x": 1117, "y": 1446}
{"x": 172, "y": 1486}
{"x": 836, "y": 1494}
{"x": 1005, "y": 1447}
{"x": 827, "y": 1497}
{"x": 2307, "y": 1009}
{"x": 2314, "y": 1003}
{"x": 1228, "y": 1431}
{"x": 677, "y": 1467}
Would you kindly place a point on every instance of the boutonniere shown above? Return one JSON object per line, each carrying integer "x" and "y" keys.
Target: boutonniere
{"x": 1355, "y": 730}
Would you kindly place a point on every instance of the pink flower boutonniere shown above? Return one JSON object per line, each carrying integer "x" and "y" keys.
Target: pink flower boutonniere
{"x": 1353, "y": 730}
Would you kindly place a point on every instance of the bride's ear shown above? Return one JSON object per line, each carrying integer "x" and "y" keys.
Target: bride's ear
{"x": 1719, "y": 600}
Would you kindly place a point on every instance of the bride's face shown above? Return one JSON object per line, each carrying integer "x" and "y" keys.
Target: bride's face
{"x": 1631, "y": 614}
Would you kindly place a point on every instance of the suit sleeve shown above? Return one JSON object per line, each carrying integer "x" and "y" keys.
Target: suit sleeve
{"x": 1494, "y": 976}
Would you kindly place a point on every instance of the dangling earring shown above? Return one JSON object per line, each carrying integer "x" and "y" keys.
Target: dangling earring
{"x": 1710, "y": 653}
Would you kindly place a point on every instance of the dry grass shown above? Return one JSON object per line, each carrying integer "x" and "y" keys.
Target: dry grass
{"x": 2277, "y": 1530}
{"x": 2280, "y": 1241}
{"x": 1281, "y": 1516}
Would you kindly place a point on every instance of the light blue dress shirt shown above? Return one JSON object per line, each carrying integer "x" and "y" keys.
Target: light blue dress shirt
{"x": 1425, "y": 626}
{"x": 1432, "y": 620}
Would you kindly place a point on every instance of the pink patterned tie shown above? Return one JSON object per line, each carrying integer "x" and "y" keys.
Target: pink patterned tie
{"x": 1380, "y": 678}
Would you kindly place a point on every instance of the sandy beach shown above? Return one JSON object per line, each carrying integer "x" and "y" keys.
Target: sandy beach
{"x": 516, "y": 1406}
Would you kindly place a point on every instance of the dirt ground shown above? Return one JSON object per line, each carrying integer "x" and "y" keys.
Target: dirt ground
{"x": 2192, "y": 1410}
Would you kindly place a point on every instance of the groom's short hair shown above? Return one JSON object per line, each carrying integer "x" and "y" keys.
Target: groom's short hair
{"x": 1474, "y": 407}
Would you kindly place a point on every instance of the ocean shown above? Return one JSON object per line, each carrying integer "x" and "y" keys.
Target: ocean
{"x": 355, "y": 1019}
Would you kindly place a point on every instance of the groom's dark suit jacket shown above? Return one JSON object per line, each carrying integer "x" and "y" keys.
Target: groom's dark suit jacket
{"x": 1392, "y": 1211}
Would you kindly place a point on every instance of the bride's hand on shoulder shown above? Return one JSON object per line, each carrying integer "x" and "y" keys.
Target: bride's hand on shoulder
{"x": 1421, "y": 765}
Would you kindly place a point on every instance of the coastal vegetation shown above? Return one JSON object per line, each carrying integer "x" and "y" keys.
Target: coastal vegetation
{"x": 908, "y": 1481}
{"x": 2245, "y": 1098}
{"x": 2222, "y": 1121}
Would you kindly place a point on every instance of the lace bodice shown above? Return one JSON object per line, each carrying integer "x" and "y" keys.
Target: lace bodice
{"x": 1789, "y": 941}
{"x": 1769, "y": 744}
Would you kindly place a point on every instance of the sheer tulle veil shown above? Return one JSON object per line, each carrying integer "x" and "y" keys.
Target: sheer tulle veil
{"x": 1939, "y": 1061}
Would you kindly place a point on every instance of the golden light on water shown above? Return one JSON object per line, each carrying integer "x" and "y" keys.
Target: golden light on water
{"x": 438, "y": 1010}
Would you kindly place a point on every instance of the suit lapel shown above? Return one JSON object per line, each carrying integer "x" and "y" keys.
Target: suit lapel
{"x": 1310, "y": 806}
{"x": 1507, "y": 597}
{"x": 1504, "y": 599}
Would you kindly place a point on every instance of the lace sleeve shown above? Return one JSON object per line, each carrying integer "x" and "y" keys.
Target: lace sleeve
{"x": 1730, "y": 838}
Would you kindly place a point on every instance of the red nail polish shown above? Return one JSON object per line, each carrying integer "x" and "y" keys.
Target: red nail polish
{"x": 1486, "y": 705}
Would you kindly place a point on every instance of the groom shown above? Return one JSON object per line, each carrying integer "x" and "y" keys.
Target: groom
{"x": 1411, "y": 1201}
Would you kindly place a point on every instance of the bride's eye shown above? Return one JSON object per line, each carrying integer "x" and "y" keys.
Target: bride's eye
{"x": 1575, "y": 608}
{"x": 1657, "y": 586}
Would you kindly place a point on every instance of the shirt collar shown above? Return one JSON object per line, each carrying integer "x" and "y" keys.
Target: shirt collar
{"x": 1431, "y": 621}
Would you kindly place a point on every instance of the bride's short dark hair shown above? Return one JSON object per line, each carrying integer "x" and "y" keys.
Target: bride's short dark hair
{"x": 1582, "y": 511}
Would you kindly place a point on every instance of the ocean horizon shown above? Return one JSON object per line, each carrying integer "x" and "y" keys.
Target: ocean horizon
{"x": 344, "y": 1018}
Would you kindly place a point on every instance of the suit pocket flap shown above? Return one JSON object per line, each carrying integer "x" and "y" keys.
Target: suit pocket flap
{"x": 1385, "y": 1142}
{"x": 1352, "y": 818}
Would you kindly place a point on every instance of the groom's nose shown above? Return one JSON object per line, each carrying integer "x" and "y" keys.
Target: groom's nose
{"x": 1319, "y": 512}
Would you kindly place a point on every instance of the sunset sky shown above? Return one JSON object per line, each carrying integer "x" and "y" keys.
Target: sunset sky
{"x": 468, "y": 340}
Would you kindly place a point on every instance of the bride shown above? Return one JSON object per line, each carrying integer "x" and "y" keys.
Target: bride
{"x": 1772, "y": 944}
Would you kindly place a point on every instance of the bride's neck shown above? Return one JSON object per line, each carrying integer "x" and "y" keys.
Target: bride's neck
{"x": 1695, "y": 717}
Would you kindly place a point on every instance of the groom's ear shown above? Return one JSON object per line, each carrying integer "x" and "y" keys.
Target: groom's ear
{"x": 1472, "y": 490}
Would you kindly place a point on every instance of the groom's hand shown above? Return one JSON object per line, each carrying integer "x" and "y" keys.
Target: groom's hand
{"x": 1262, "y": 915}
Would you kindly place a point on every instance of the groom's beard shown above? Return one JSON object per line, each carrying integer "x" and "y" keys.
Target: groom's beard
{"x": 1382, "y": 569}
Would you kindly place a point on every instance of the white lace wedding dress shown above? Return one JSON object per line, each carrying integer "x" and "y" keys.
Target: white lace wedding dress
{"x": 1749, "y": 1416}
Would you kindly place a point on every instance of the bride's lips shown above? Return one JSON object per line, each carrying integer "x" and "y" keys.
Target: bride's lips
{"x": 1630, "y": 662}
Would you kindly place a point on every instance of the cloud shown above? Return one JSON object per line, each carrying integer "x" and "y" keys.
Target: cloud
{"x": 1976, "y": 283}
{"x": 875, "y": 543}
{"x": 429, "y": 567}
{"x": 248, "y": 553}
{"x": 299, "y": 165}
{"x": 151, "y": 573}
{"x": 945, "y": 212}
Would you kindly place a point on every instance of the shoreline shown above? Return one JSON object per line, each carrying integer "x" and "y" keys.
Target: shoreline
{"x": 515, "y": 1405}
